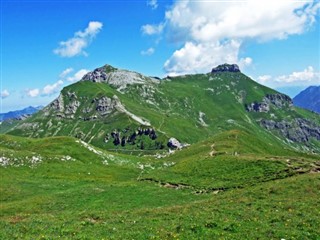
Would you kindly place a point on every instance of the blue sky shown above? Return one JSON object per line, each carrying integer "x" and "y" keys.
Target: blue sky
{"x": 46, "y": 45}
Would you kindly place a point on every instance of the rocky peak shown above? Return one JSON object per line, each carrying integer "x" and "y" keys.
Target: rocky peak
{"x": 226, "y": 68}
{"x": 118, "y": 78}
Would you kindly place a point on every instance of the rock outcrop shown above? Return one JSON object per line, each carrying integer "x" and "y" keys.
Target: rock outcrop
{"x": 277, "y": 100}
{"x": 105, "y": 105}
{"x": 298, "y": 130}
{"x": 226, "y": 68}
{"x": 174, "y": 143}
{"x": 116, "y": 77}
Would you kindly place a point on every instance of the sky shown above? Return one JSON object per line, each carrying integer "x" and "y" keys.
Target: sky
{"x": 49, "y": 44}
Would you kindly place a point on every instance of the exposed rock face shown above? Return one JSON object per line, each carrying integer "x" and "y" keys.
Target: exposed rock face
{"x": 174, "y": 143}
{"x": 116, "y": 77}
{"x": 57, "y": 104}
{"x": 226, "y": 68}
{"x": 72, "y": 107}
{"x": 105, "y": 105}
{"x": 298, "y": 130}
{"x": 97, "y": 75}
{"x": 277, "y": 100}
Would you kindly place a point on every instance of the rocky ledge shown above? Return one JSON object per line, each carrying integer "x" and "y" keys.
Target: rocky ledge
{"x": 297, "y": 130}
{"x": 277, "y": 100}
{"x": 226, "y": 68}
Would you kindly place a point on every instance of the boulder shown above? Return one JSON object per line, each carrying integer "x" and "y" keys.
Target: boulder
{"x": 174, "y": 143}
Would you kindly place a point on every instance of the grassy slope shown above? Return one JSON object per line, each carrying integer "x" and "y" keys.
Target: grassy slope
{"x": 85, "y": 199}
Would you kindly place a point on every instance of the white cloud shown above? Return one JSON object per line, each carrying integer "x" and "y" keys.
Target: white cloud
{"x": 152, "y": 29}
{"x": 245, "y": 62}
{"x": 66, "y": 72}
{"x": 4, "y": 94}
{"x": 202, "y": 57}
{"x": 216, "y": 20}
{"x": 51, "y": 89}
{"x": 78, "y": 75}
{"x": 307, "y": 77}
{"x": 153, "y": 4}
{"x": 148, "y": 52}
{"x": 33, "y": 92}
{"x": 75, "y": 46}
{"x": 206, "y": 26}
{"x": 264, "y": 78}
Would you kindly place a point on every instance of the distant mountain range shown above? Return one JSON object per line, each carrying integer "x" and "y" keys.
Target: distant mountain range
{"x": 19, "y": 114}
{"x": 309, "y": 99}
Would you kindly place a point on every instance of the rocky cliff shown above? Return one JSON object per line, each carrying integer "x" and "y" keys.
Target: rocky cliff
{"x": 270, "y": 100}
{"x": 226, "y": 68}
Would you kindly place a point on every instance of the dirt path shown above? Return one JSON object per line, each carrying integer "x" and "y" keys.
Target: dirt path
{"x": 213, "y": 151}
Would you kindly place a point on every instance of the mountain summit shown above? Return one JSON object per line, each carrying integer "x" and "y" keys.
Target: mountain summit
{"x": 226, "y": 68}
{"x": 118, "y": 78}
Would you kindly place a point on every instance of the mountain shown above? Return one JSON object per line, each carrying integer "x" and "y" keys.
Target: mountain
{"x": 122, "y": 110}
{"x": 120, "y": 155}
{"x": 19, "y": 114}
{"x": 309, "y": 99}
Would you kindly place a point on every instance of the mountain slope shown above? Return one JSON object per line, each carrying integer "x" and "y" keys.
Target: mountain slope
{"x": 309, "y": 99}
{"x": 248, "y": 165}
{"x": 122, "y": 110}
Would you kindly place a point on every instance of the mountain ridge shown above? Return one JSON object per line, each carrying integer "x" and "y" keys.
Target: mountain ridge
{"x": 309, "y": 99}
{"x": 19, "y": 113}
{"x": 120, "y": 109}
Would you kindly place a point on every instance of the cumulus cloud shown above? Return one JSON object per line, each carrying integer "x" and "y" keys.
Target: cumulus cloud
{"x": 306, "y": 77}
{"x": 78, "y": 75}
{"x": 206, "y": 26}
{"x": 66, "y": 72}
{"x": 53, "y": 88}
{"x": 264, "y": 78}
{"x": 75, "y": 46}
{"x": 148, "y": 52}
{"x": 211, "y": 21}
{"x": 194, "y": 58}
{"x": 33, "y": 92}
{"x": 152, "y": 29}
{"x": 5, "y": 93}
{"x": 153, "y": 4}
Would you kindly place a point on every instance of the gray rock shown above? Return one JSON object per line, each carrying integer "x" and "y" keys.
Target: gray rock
{"x": 226, "y": 68}
{"x": 276, "y": 100}
{"x": 56, "y": 105}
{"x": 105, "y": 105}
{"x": 298, "y": 130}
{"x": 174, "y": 143}
{"x": 117, "y": 77}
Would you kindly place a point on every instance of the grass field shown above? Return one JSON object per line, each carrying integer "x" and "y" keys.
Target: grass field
{"x": 78, "y": 191}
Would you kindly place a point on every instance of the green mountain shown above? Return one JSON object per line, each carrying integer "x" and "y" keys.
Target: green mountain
{"x": 119, "y": 155}
{"x": 122, "y": 110}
